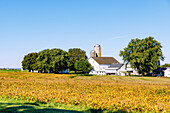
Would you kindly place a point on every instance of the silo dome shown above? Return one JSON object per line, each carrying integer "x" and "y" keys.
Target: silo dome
{"x": 92, "y": 53}
{"x": 97, "y": 49}
{"x": 97, "y": 45}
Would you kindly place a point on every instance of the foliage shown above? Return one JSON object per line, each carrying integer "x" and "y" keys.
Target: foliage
{"x": 75, "y": 54}
{"x": 48, "y": 60}
{"x": 54, "y": 60}
{"x": 129, "y": 94}
{"x": 166, "y": 65}
{"x": 143, "y": 55}
{"x": 29, "y": 61}
{"x": 83, "y": 66}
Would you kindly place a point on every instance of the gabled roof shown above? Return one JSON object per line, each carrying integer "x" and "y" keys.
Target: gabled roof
{"x": 105, "y": 60}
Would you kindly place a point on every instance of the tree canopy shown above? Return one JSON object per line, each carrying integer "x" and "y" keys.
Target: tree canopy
{"x": 165, "y": 65}
{"x": 75, "y": 54}
{"x": 29, "y": 61}
{"x": 83, "y": 66}
{"x": 54, "y": 60}
{"x": 48, "y": 60}
{"x": 143, "y": 54}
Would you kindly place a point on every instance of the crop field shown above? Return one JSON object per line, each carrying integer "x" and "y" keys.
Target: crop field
{"x": 113, "y": 93}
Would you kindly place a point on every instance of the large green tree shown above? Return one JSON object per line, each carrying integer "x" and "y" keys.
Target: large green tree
{"x": 54, "y": 60}
{"x": 143, "y": 54}
{"x": 83, "y": 66}
{"x": 165, "y": 65}
{"x": 29, "y": 61}
{"x": 75, "y": 54}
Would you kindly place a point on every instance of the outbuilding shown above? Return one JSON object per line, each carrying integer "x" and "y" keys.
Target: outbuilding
{"x": 162, "y": 71}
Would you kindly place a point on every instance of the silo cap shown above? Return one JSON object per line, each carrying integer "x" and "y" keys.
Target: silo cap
{"x": 92, "y": 51}
{"x": 97, "y": 45}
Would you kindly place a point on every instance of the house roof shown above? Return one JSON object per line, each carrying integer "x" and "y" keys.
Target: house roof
{"x": 105, "y": 60}
{"x": 161, "y": 69}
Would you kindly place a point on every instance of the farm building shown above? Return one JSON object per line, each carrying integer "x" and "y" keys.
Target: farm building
{"x": 104, "y": 65}
{"x": 107, "y": 65}
{"x": 162, "y": 71}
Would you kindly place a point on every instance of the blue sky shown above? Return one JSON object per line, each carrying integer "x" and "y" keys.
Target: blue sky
{"x": 33, "y": 25}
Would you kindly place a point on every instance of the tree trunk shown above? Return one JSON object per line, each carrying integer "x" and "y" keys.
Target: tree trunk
{"x": 75, "y": 71}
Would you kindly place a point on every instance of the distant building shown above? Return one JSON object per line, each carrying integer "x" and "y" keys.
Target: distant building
{"x": 162, "y": 71}
{"x": 107, "y": 65}
{"x": 65, "y": 71}
{"x": 62, "y": 72}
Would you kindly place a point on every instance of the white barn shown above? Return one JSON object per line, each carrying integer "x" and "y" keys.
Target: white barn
{"x": 109, "y": 66}
{"x": 102, "y": 65}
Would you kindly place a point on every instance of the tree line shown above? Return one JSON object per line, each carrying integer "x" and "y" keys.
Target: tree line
{"x": 144, "y": 55}
{"x": 57, "y": 60}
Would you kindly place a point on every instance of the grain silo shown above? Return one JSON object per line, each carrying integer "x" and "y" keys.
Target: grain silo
{"x": 97, "y": 49}
{"x": 92, "y": 53}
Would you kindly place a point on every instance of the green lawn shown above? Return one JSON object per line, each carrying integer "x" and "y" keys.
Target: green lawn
{"x": 11, "y": 70}
{"x": 22, "y": 106}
